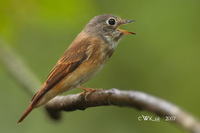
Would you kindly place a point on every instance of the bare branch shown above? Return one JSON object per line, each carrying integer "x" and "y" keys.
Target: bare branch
{"x": 134, "y": 99}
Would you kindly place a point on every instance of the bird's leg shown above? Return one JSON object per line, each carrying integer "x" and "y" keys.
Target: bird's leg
{"x": 87, "y": 90}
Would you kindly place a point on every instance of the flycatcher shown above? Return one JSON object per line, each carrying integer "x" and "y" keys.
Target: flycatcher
{"x": 83, "y": 59}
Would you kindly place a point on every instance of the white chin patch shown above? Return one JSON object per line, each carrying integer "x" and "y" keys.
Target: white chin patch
{"x": 112, "y": 43}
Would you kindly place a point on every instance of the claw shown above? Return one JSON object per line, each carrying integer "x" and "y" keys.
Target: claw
{"x": 88, "y": 91}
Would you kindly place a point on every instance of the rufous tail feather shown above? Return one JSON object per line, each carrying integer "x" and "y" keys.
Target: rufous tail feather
{"x": 28, "y": 110}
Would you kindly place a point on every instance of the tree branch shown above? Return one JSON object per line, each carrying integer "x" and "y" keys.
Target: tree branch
{"x": 135, "y": 99}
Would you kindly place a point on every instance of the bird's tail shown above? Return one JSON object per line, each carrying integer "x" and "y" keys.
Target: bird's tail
{"x": 28, "y": 110}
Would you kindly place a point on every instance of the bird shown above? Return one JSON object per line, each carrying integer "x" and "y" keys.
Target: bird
{"x": 82, "y": 60}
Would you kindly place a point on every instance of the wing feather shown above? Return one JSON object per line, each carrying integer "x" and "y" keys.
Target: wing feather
{"x": 70, "y": 60}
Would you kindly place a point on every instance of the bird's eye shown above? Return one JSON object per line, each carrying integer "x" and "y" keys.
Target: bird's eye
{"x": 111, "y": 21}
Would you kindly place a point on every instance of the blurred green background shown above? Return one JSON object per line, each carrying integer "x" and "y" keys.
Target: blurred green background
{"x": 163, "y": 59}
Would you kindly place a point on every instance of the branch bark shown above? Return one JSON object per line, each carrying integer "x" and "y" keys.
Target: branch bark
{"x": 134, "y": 99}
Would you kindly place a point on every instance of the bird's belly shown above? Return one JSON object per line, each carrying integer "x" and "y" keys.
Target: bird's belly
{"x": 81, "y": 75}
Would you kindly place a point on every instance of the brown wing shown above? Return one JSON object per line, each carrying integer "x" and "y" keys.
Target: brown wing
{"x": 69, "y": 61}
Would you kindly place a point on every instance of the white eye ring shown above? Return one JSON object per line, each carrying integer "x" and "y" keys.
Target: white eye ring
{"x": 111, "y": 21}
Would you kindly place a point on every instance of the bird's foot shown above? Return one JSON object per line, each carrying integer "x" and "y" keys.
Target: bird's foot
{"x": 87, "y": 91}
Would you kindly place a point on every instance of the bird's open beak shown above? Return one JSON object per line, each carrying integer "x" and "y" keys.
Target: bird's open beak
{"x": 123, "y": 22}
